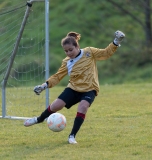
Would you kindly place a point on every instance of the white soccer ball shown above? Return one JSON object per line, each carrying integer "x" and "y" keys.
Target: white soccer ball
{"x": 56, "y": 122}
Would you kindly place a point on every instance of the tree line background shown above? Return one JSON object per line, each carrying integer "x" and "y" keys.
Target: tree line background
{"x": 96, "y": 21}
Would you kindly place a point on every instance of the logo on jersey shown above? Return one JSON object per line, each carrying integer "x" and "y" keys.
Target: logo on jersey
{"x": 87, "y": 54}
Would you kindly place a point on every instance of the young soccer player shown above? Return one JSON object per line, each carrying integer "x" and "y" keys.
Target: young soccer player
{"x": 83, "y": 86}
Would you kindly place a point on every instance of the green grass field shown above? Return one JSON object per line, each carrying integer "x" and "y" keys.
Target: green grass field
{"x": 118, "y": 126}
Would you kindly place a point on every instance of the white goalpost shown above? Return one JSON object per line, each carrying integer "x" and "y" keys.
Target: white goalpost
{"x": 24, "y": 58}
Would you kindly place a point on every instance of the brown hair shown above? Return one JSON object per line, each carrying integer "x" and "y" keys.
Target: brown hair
{"x": 71, "y": 38}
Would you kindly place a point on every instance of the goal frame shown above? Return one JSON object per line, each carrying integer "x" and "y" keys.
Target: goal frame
{"x": 12, "y": 57}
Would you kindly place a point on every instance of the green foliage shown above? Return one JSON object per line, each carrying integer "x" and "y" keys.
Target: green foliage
{"x": 96, "y": 21}
{"x": 117, "y": 127}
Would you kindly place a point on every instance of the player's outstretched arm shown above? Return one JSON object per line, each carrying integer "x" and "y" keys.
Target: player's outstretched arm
{"x": 119, "y": 36}
{"x": 38, "y": 89}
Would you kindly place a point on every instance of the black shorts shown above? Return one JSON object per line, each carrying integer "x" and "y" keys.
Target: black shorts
{"x": 72, "y": 97}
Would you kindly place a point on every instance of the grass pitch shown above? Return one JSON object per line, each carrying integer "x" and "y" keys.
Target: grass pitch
{"x": 118, "y": 126}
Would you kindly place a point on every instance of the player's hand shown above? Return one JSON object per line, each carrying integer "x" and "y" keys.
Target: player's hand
{"x": 38, "y": 89}
{"x": 119, "y": 36}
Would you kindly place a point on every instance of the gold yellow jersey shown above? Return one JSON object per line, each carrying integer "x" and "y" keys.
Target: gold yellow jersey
{"x": 82, "y": 70}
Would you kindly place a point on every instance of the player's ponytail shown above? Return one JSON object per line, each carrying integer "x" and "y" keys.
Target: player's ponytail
{"x": 77, "y": 36}
{"x": 71, "y": 38}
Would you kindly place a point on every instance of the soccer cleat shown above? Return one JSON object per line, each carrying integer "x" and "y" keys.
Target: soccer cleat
{"x": 30, "y": 122}
{"x": 72, "y": 140}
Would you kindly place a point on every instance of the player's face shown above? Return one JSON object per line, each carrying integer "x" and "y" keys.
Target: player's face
{"x": 71, "y": 51}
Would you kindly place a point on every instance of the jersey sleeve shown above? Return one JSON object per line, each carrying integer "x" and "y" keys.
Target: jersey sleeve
{"x": 102, "y": 54}
{"x": 56, "y": 78}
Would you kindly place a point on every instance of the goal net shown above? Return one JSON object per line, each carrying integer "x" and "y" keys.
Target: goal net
{"x": 22, "y": 58}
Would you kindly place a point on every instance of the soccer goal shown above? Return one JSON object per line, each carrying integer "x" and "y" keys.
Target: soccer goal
{"x": 24, "y": 58}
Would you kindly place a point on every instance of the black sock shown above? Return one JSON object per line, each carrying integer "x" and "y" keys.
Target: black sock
{"x": 44, "y": 115}
{"x": 77, "y": 124}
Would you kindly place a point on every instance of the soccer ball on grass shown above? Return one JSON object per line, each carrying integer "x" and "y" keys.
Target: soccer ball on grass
{"x": 56, "y": 122}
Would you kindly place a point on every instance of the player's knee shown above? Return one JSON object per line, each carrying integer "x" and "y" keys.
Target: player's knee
{"x": 56, "y": 106}
{"x": 83, "y": 107}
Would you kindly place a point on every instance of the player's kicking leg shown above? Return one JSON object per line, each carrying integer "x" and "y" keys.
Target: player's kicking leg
{"x": 41, "y": 118}
{"x": 58, "y": 104}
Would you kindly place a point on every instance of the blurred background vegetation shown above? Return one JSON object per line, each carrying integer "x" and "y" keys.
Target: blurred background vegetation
{"x": 96, "y": 21}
